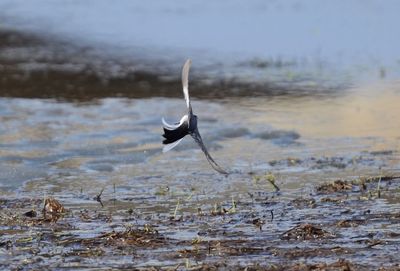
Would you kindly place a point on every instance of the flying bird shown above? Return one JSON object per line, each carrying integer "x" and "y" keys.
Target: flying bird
{"x": 174, "y": 133}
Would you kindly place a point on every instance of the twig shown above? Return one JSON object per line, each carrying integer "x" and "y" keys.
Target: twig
{"x": 98, "y": 197}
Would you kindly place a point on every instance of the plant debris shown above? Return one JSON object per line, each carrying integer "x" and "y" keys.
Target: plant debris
{"x": 31, "y": 213}
{"x": 336, "y": 186}
{"x": 52, "y": 209}
{"x": 306, "y": 232}
{"x": 233, "y": 234}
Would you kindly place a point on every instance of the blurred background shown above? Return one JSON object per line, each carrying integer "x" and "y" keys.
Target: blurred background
{"x": 84, "y": 84}
{"x": 241, "y": 48}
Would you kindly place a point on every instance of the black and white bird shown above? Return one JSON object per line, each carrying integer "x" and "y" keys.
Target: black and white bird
{"x": 174, "y": 133}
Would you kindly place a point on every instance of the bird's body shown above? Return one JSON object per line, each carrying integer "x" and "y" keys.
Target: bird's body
{"x": 174, "y": 133}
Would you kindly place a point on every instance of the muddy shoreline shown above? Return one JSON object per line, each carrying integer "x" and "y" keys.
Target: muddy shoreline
{"x": 340, "y": 225}
{"x": 40, "y": 67}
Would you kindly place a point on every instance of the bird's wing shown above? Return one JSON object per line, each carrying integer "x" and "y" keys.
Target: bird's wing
{"x": 175, "y": 132}
{"x": 176, "y": 125}
{"x": 170, "y": 126}
{"x": 197, "y": 137}
{"x": 170, "y": 146}
{"x": 185, "y": 83}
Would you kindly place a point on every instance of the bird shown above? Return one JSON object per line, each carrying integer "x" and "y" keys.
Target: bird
{"x": 174, "y": 133}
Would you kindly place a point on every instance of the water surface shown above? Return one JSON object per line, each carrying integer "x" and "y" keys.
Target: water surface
{"x": 116, "y": 139}
{"x": 300, "y": 92}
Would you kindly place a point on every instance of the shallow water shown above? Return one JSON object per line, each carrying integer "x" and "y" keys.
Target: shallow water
{"x": 118, "y": 141}
{"x": 171, "y": 209}
{"x": 86, "y": 129}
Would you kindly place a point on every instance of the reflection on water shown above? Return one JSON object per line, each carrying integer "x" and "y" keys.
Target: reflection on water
{"x": 118, "y": 141}
{"x": 368, "y": 111}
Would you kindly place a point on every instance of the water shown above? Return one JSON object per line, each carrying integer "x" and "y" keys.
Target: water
{"x": 346, "y": 39}
{"x": 118, "y": 140}
{"x": 307, "y": 92}
{"x": 324, "y": 106}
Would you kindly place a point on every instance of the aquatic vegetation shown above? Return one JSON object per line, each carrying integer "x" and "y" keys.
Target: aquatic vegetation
{"x": 336, "y": 186}
{"x": 269, "y": 177}
{"x": 305, "y": 232}
{"x": 243, "y": 229}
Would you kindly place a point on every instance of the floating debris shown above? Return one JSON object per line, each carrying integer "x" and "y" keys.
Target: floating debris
{"x": 306, "y": 232}
{"x": 336, "y": 186}
{"x": 146, "y": 237}
{"x": 258, "y": 223}
{"x": 304, "y": 203}
{"x": 350, "y": 223}
{"x": 52, "y": 209}
{"x": 341, "y": 264}
{"x": 31, "y": 213}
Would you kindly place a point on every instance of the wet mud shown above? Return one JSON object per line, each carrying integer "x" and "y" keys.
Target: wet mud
{"x": 340, "y": 225}
{"x": 34, "y": 66}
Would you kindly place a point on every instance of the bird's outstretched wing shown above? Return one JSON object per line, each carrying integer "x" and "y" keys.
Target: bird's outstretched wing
{"x": 197, "y": 137}
{"x": 185, "y": 84}
{"x": 170, "y": 126}
{"x": 174, "y": 133}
